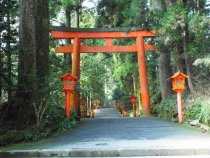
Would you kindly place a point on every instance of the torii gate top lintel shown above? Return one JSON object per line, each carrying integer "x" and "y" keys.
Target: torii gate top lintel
{"x": 59, "y": 32}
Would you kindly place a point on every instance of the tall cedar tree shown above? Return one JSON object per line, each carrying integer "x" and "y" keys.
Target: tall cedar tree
{"x": 33, "y": 65}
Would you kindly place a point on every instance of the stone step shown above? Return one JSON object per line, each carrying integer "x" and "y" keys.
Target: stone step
{"x": 144, "y": 153}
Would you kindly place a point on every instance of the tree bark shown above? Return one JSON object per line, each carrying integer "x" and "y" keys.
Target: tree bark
{"x": 9, "y": 62}
{"x": 42, "y": 42}
{"x": 27, "y": 54}
{"x": 188, "y": 59}
{"x": 165, "y": 72}
{"x": 33, "y": 65}
{"x": 1, "y": 68}
{"x": 164, "y": 59}
{"x": 189, "y": 80}
{"x": 180, "y": 61}
{"x": 68, "y": 57}
{"x": 135, "y": 85}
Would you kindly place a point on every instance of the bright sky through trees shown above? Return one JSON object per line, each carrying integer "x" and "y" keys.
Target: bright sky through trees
{"x": 90, "y": 3}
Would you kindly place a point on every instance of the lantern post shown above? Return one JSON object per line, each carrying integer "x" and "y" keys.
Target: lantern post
{"x": 133, "y": 101}
{"x": 68, "y": 87}
{"x": 178, "y": 83}
{"x": 83, "y": 102}
{"x": 123, "y": 110}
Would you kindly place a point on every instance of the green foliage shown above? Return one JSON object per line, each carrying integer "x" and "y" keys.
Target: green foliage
{"x": 155, "y": 99}
{"x": 110, "y": 13}
{"x": 205, "y": 62}
{"x": 138, "y": 15}
{"x": 201, "y": 110}
{"x": 125, "y": 68}
{"x": 195, "y": 112}
{"x": 173, "y": 19}
{"x": 121, "y": 97}
{"x": 168, "y": 104}
{"x": 167, "y": 108}
{"x": 87, "y": 19}
{"x": 180, "y": 23}
{"x": 61, "y": 6}
{"x": 202, "y": 66}
{"x": 68, "y": 123}
{"x": 8, "y": 49}
{"x": 32, "y": 135}
{"x": 152, "y": 72}
{"x": 117, "y": 93}
{"x": 94, "y": 74}
{"x": 55, "y": 120}
{"x": 205, "y": 112}
{"x": 198, "y": 25}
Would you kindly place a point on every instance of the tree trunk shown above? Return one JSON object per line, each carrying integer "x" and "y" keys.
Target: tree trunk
{"x": 164, "y": 59}
{"x": 180, "y": 61}
{"x": 165, "y": 72}
{"x": 42, "y": 42}
{"x": 188, "y": 61}
{"x": 27, "y": 54}
{"x": 33, "y": 65}
{"x": 135, "y": 83}
{"x": 77, "y": 14}
{"x": 9, "y": 62}
{"x": 189, "y": 80}
{"x": 68, "y": 57}
{"x": 1, "y": 68}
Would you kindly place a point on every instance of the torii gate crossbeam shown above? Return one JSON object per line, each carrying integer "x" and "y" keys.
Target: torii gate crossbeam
{"x": 108, "y": 34}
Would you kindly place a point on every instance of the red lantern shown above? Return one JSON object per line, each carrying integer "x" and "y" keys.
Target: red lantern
{"x": 133, "y": 101}
{"x": 83, "y": 102}
{"x": 178, "y": 83}
{"x": 68, "y": 86}
{"x": 68, "y": 82}
{"x": 123, "y": 110}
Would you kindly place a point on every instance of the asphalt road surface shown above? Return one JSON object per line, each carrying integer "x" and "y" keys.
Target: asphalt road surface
{"x": 110, "y": 135}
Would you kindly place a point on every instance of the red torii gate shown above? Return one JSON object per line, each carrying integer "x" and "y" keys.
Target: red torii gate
{"x": 108, "y": 34}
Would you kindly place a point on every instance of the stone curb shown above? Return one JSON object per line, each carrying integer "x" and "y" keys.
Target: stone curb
{"x": 196, "y": 123}
{"x": 105, "y": 153}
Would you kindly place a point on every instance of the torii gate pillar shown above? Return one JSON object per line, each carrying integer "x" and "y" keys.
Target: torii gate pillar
{"x": 76, "y": 72}
{"x": 144, "y": 90}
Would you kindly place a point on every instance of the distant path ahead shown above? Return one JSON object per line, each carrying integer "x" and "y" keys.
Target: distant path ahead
{"x": 106, "y": 112}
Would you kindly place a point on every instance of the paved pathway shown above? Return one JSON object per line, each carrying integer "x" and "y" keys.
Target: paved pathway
{"x": 110, "y": 135}
{"x": 107, "y": 112}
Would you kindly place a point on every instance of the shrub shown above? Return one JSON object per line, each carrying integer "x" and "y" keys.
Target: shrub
{"x": 167, "y": 108}
{"x": 195, "y": 111}
{"x": 204, "y": 115}
{"x": 68, "y": 123}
